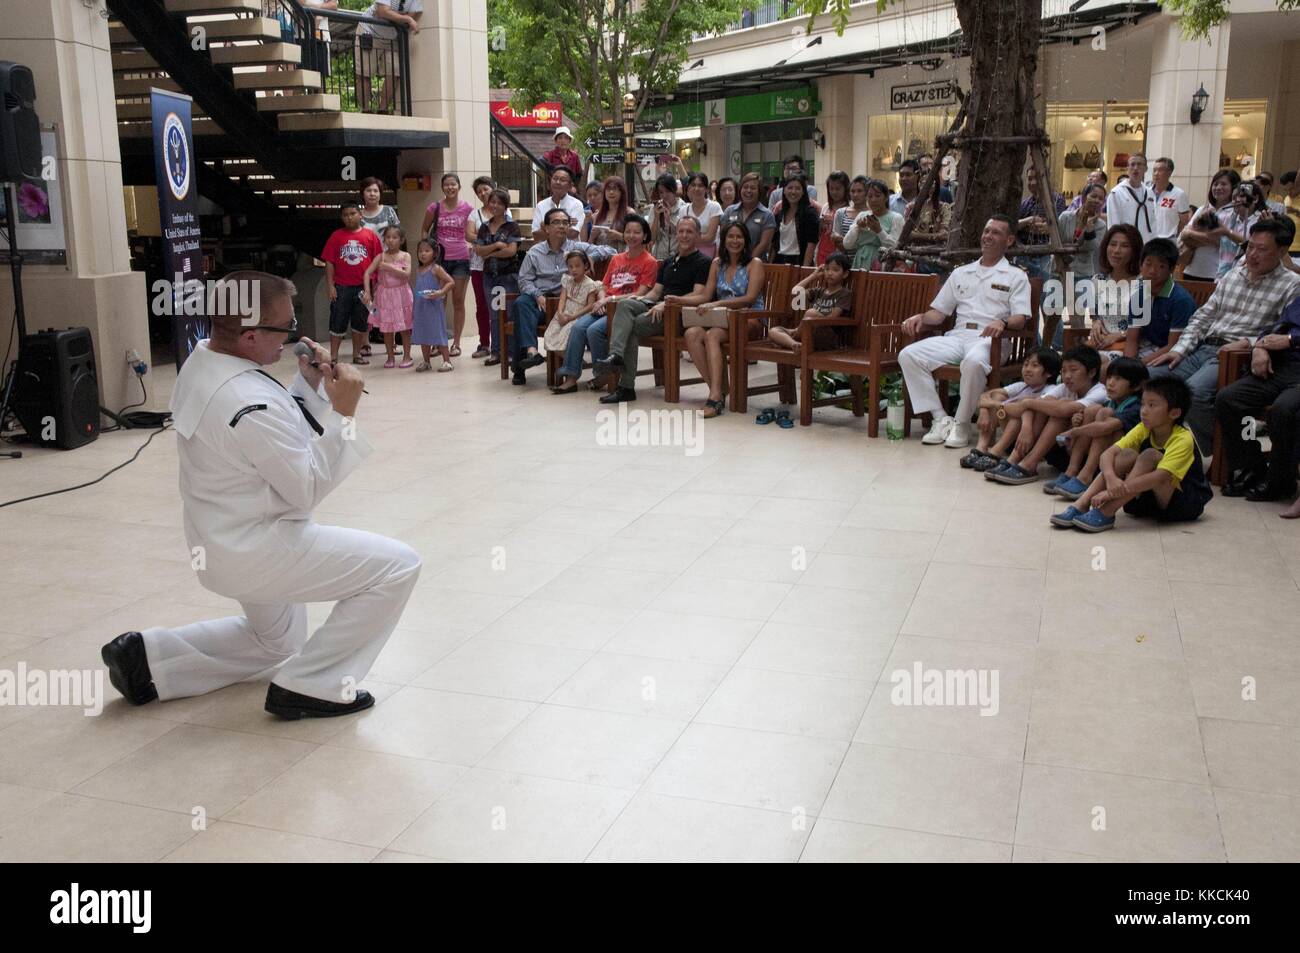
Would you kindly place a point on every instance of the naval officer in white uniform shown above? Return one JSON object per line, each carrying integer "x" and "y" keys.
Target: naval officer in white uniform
{"x": 988, "y": 297}
{"x": 255, "y": 460}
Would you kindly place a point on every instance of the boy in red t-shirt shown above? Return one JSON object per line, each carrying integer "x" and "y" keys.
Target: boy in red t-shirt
{"x": 347, "y": 255}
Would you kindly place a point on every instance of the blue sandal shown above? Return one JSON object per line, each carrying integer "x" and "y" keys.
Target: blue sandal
{"x": 783, "y": 420}
{"x": 766, "y": 417}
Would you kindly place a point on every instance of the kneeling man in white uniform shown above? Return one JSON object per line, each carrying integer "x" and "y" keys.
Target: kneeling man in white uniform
{"x": 255, "y": 460}
{"x": 989, "y": 296}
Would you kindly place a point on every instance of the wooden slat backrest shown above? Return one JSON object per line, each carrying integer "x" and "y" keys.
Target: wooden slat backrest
{"x": 890, "y": 298}
{"x": 598, "y": 268}
{"x": 1199, "y": 290}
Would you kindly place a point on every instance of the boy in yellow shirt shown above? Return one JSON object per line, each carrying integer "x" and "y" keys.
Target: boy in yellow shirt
{"x": 1154, "y": 470}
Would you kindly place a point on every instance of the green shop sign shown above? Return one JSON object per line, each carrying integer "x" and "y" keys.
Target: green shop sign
{"x": 759, "y": 107}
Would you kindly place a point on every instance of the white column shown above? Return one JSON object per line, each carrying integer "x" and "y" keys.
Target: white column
{"x": 449, "y": 80}
{"x": 1284, "y": 153}
{"x": 836, "y": 121}
{"x": 65, "y": 44}
{"x": 1178, "y": 69}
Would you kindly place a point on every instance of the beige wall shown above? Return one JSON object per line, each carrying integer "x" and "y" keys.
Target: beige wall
{"x": 449, "y": 80}
{"x": 66, "y": 46}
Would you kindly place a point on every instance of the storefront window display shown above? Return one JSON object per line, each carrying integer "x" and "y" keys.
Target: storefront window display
{"x": 1088, "y": 136}
{"x": 896, "y": 136}
{"x": 1244, "y": 124}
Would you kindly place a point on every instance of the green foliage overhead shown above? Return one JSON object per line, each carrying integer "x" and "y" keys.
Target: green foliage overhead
{"x": 588, "y": 53}
{"x": 1201, "y": 16}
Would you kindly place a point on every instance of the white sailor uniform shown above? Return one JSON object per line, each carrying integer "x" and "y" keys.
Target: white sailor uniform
{"x": 255, "y": 460}
{"x": 979, "y": 296}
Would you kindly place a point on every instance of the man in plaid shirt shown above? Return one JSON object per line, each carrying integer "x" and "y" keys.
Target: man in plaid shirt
{"x": 1246, "y": 302}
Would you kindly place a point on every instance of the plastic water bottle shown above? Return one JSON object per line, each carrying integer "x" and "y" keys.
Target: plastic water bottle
{"x": 894, "y": 417}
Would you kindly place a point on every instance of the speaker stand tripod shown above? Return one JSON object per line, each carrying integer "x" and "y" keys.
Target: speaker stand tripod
{"x": 20, "y": 315}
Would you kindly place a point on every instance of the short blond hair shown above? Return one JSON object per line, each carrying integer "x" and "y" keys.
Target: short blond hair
{"x": 228, "y": 322}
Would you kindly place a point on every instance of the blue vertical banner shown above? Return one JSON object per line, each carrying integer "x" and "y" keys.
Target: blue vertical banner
{"x": 175, "y": 171}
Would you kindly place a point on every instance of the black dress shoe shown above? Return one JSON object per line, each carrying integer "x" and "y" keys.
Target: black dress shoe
{"x": 128, "y": 668}
{"x": 292, "y": 706}
{"x": 1268, "y": 493}
{"x": 619, "y": 396}
{"x": 1242, "y": 482}
{"x": 518, "y": 378}
{"x": 532, "y": 360}
{"x": 607, "y": 365}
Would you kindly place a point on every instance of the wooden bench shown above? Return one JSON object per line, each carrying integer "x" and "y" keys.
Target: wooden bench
{"x": 672, "y": 343}
{"x": 882, "y": 301}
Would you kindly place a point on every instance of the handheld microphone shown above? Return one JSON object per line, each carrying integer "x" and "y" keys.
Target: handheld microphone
{"x": 302, "y": 349}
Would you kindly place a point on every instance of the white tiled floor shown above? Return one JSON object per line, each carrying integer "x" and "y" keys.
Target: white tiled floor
{"x": 683, "y": 657}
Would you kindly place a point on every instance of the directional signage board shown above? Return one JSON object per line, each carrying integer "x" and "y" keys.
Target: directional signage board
{"x": 607, "y": 158}
{"x": 604, "y": 142}
{"x": 652, "y": 144}
{"x": 649, "y": 125}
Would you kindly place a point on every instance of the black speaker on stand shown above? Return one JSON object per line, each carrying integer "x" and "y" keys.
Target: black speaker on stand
{"x": 52, "y": 389}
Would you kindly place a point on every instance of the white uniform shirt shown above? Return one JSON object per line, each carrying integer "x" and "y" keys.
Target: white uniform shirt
{"x": 1169, "y": 206}
{"x": 252, "y": 468}
{"x": 1127, "y": 205}
{"x": 979, "y": 295}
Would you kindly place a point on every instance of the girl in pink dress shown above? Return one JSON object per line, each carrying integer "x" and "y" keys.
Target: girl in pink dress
{"x": 392, "y": 299}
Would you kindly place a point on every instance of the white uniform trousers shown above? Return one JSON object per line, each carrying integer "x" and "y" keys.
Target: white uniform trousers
{"x": 920, "y": 360}
{"x": 369, "y": 576}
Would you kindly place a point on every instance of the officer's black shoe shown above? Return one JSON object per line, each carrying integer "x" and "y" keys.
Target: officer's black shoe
{"x": 607, "y": 365}
{"x": 292, "y": 706}
{"x": 128, "y": 668}
{"x": 1266, "y": 492}
{"x": 1242, "y": 482}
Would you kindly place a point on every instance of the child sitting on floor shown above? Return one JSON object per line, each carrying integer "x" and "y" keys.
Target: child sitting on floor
{"x": 1001, "y": 407}
{"x": 1154, "y": 470}
{"x": 828, "y": 296}
{"x": 1045, "y": 418}
{"x": 1096, "y": 428}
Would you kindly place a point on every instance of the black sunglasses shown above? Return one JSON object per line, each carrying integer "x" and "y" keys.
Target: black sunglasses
{"x": 293, "y": 326}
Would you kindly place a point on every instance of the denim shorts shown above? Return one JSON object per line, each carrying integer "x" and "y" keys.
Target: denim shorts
{"x": 347, "y": 309}
{"x": 457, "y": 269}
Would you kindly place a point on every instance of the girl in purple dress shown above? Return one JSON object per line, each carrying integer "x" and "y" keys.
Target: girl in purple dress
{"x": 432, "y": 284}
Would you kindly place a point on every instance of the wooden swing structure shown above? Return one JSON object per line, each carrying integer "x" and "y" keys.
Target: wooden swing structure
{"x": 944, "y": 258}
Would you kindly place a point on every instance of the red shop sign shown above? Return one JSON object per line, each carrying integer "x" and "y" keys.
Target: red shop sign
{"x": 541, "y": 116}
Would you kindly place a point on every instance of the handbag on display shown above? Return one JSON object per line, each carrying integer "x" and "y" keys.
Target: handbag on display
{"x": 1121, "y": 160}
{"x": 898, "y": 158}
{"x": 1244, "y": 160}
{"x": 882, "y": 159}
{"x": 1092, "y": 159}
{"x": 915, "y": 147}
{"x": 1224, "y": 161}
{"x": 1074, "y": 158}
{"x": 713, "y": 318}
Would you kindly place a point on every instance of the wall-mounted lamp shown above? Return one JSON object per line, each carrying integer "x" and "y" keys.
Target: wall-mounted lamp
{"x": 819, "y": 137}
{"x": 1200, "y": 99}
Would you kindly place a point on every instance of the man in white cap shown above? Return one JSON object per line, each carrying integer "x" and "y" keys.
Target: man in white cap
{"x": 255, "y": 460}
{"x": 562, "y": 155}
